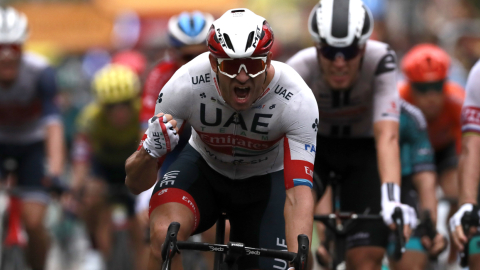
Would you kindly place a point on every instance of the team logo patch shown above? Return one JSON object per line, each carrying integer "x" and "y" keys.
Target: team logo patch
{"x": 202, "y": 95}
{"x": 160, "y": 98}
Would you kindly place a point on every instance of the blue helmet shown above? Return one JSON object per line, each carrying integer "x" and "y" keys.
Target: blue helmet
{"x": 189, "y": 28}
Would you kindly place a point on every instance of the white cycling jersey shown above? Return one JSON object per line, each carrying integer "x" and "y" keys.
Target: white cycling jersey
{"x": 251, "y": 142}
{"x": 471, "y": 105}
{"x": 352, "y": 112}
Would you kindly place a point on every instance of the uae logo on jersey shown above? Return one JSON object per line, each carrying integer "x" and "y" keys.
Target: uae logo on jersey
{"x": 315, "y": 125}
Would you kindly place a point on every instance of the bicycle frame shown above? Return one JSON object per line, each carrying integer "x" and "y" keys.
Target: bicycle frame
{"x": 340, "y": 223}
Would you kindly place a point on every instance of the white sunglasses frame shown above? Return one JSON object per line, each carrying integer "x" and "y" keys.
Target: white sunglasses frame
{"x": 220, "y": 60}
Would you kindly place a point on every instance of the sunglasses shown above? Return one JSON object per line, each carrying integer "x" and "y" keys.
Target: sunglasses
{"x": 331, "y": 53}
{"x": 10, "y": 51}
{"x": 253, "y": 66}
{"x": 429, "y": 86}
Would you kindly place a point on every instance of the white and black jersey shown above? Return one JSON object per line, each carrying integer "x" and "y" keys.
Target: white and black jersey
{"x": 372, "y": 98}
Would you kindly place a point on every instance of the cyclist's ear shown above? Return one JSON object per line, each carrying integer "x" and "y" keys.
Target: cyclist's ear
{"x": 213, "y": 63}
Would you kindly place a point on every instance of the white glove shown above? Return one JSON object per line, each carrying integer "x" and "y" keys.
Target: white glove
{"x": 161, "y": 137}
{"x": 456, "y": 219}
{"x": 391, "y": 200}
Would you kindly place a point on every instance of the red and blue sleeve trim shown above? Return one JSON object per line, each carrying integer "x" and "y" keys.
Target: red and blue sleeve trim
{"x": 296, "y": 172}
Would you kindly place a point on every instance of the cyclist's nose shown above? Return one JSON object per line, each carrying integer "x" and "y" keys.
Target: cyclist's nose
{"x": 242, "y": 76}
{"x": 339, "y": 61}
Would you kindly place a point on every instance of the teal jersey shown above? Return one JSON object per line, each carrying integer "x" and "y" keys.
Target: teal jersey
{"x": 415, "y": 149}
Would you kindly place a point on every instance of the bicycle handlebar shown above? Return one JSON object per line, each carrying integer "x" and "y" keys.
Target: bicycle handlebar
{"x": 233, "y": 250}
{"x": 352, "y": 217}
{"x": 400, "y": 243}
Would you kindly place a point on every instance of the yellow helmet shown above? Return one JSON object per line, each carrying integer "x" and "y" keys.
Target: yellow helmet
{"x": 114, "y": 84}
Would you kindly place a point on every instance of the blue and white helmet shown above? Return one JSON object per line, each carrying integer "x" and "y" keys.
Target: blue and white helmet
{"x": 340, "y": 23}
{"x": 189, "y": 28}
{"x": 13, "y": 26}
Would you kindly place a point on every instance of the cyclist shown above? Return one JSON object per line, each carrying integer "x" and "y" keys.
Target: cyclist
{"x": 31, "y": 131}
{"x": 353, "y": 80}
{"x": 468, "y": 169}
{"x": 99, "y": 156}
{"x": 425, "y": 67}
{"x": 418, "y": 186}
{"x": 251, "y": 151}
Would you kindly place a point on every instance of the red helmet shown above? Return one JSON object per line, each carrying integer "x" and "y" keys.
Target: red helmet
{"x": 426, "y": 63}
{"x": 240, "y": 33}
{"x": 131, "y": 59}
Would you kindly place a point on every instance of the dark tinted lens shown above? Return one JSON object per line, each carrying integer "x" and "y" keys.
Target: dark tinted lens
{"x": 430, "y": 86}
{"x": 331, "y": 53}
{"x": 233, "y": 65}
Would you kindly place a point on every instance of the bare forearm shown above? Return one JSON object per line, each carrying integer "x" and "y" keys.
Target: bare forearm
{"x": 323, "y": 207}
{"x": 298, "y": 214}
{"x": 55, "y": 148}
{"x": 424, "y": 182}
{"x": 469, "y": 169}
{"x": 141, "y": 171}
{"x": 388, "y": 156}
{"x": 80, "y": 172}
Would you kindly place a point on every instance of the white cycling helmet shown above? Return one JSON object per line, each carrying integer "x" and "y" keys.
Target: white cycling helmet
{"x": 13, "y": 26}
{"x": 240, "y": 33}
{"x": 189, "y": 28}
{"x": 340, "y": 23}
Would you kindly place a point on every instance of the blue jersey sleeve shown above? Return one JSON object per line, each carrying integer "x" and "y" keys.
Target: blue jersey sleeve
{"x": 415, "y": 149}
{"x": 47, "y": 90}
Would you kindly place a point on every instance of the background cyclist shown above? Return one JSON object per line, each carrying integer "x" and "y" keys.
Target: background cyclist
{"x": 31, "y": 132}
{"x": 468, "y": 169}
{"x": 107, "y": 133}
{"x": 418, "y": 187}
{"x": 354, "y": 83}
{"x": 425, "y": 68}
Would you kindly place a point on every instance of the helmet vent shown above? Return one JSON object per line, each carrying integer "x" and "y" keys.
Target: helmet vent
{"x": 212, "y": 48}
{"x": 340, "y": 17}
{"x": 229, "y": 42}
{"x": 268, "y": 43}
{"x": 366, "y": 23}
{"x": 314, "y": 23}
{"x": 249, "y": 40}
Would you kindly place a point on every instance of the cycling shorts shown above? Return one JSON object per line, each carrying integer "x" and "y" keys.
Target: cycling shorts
{"x": 254, "y": 205}
{"x": 446, "y": 158}
{"x": 26, "y": 161}
{"x": 355, "y": 161}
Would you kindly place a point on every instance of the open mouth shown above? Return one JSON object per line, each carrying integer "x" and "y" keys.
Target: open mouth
{"x": 241, "y": 94}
